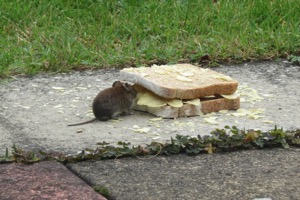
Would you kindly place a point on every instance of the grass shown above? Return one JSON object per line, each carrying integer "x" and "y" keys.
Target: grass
{"x": 62, "y": 35}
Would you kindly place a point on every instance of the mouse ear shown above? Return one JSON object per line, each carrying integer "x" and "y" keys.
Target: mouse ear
{"x": 117, "y": 83}
{"x": 127, "y": 87}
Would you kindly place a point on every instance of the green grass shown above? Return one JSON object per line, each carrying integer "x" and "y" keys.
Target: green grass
{"x": 61, "y": 35}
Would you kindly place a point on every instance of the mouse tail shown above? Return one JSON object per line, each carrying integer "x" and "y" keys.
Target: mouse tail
{"x": 81, "y": 123}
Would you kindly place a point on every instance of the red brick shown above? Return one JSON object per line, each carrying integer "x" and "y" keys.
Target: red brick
{"x": 44, "y": 180}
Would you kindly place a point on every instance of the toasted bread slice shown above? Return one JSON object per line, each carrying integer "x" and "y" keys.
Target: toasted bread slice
{"x": 182, "y": 81}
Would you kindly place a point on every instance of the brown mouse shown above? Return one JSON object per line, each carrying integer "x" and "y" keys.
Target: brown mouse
{"x": 111, "y": 102}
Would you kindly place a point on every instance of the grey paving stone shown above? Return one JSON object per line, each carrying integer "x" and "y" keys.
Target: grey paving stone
{"x": 273, "y": 174}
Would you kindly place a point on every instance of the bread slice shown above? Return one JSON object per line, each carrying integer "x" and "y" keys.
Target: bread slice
{"x": 218, "y": 103}
{"x": 183, "y": 81}
{"x": 161, "y": 107}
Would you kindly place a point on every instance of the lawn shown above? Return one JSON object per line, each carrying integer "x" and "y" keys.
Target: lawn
{"x": 63, "y": 35}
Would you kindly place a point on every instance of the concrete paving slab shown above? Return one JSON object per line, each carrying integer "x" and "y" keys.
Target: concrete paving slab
{"x": 44, "y": 180}
{"x": 35, "y": 110}
{"x": 258, "y": 174}
{"x": 5, "y": 138}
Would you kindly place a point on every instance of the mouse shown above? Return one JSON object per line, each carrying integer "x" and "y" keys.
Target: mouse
{"x": 111, "y": 102}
